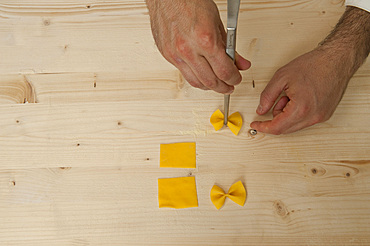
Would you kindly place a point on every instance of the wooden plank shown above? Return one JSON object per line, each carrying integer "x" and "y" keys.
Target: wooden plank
{"x": 68, "y": 62}
{"x": 100, "y": 205}
{"x": 67, "y": 88}
{"x": 72, "y": 38}
{"x": 83, "y": 134}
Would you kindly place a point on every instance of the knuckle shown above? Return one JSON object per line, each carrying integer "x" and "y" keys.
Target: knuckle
{"x": 183, "y": 48}
{"x": 281, "y": 74}
{"x": 168, "y": 54}
{"x": 318, "y": 118}
{"x": 280, "y": 71}
{"x": 206, "y": 40}
{"x": 303, "y": 111}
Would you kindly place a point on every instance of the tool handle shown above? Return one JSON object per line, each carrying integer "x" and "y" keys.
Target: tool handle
{"x": 231, "y": 43}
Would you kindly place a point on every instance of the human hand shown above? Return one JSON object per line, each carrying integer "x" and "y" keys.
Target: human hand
{"x": 191, "y": 36}
{"x": 313, "y": 84}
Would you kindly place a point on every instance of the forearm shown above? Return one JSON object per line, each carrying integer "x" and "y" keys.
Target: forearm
{"x": 350, "y": 40}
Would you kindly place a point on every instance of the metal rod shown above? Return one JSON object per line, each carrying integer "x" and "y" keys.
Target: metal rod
{"x": 226, "y": 108}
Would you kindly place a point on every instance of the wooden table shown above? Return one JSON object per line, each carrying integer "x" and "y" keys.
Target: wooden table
{"x": 86, "y": 100}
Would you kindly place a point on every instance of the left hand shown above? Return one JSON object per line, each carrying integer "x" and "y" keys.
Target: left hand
{"x": 314, "y": 84}
{"x": 191, "y": 36}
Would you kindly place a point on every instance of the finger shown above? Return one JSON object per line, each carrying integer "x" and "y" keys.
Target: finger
{"x": 192, "y": 79}
{"x": 262, "y": 127}
{"x": 282, "y": 123}
{"x": 188, "y": 74}
{"x": 280, "y": 105}
{"x": 241, "y": 63}
{"x": 270, "y": 94}
{"x": 296, "y": 127}
{"x": 203, "y": 71}
{"x": 224, "y": 67}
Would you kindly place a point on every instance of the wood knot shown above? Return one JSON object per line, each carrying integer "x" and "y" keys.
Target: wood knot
{"x": 65, "y": 168}
{"x": 280, "y": 208}
{"x": 46, "y": 22}
{"x": 29, "y": 94}
{"x": 317, "y": 171}
{"x": 352, "y": 172}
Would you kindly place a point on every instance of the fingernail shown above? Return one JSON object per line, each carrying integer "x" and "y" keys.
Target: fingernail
{"x": 260, "y": 109}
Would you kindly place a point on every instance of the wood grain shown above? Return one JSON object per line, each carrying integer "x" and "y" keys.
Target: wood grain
{"x": 86, "y": 99}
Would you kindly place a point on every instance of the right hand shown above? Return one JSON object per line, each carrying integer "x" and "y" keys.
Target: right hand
{"x": 191, "y": 36}
{"x": 313, "y": 83}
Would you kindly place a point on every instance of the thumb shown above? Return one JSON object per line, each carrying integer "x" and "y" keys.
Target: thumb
{"x": 270, "y": 94}
{"x": 241, "y": 62}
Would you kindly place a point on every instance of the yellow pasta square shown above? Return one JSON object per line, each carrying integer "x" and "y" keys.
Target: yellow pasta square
{"x": 178, "y": 155}
{"x": 177, "y": 193}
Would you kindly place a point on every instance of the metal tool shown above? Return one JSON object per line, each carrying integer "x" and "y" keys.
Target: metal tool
{"x": 232, "y": 21}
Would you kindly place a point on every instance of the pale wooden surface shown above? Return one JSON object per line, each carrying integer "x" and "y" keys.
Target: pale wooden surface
{"x": 86, "y": 99}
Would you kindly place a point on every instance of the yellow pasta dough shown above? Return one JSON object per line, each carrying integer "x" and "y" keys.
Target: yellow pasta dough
{"x": 177, "y": 192}
{"x": 178, "y": 155}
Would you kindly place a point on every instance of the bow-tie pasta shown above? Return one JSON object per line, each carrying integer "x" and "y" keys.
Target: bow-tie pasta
{"x": 236, "y": 193}
{"x": 234, "y": 122}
